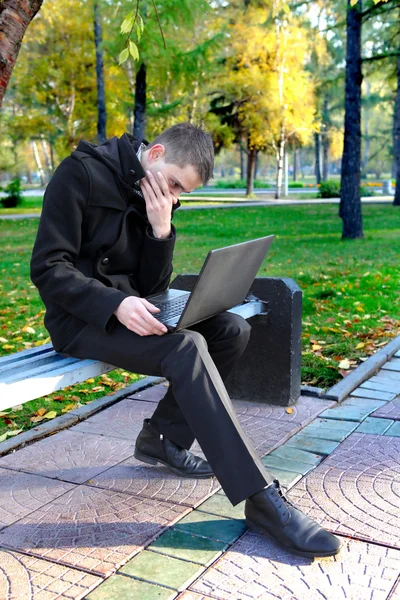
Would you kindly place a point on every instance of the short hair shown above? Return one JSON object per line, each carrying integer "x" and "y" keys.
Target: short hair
{"x": 187, "y": 144}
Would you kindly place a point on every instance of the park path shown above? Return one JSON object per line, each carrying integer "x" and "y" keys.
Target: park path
{"x": 201, "y": 203}
{"x": 80, "y": 517}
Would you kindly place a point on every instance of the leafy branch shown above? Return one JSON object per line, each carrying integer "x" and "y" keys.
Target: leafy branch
{"x": 132, "y": 23}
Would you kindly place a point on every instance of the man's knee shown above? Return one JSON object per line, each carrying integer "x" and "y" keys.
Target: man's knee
{"x": 234, "y": 326}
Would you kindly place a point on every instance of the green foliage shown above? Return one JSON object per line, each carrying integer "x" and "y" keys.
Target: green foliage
{"x": 241, "y": 184}
{"x": 296, "y": 184}
{"x": 14, "y": 194}
{"x": 329, "y": 189}
{"x": 366, "y": 191}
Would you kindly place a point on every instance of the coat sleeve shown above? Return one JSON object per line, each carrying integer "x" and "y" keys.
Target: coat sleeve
{"x": 57, "y": 248}
{"x": 156, "y": 263}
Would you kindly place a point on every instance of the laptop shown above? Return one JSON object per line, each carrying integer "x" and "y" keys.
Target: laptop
{"x": 224, "y": 282}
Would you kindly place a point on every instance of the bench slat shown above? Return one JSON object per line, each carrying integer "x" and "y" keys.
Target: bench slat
{"x": 55, "y": 364}
{"x": 28, "y": 363}
{"x": 41, "y": 385}
{"x": 13, "y": 358}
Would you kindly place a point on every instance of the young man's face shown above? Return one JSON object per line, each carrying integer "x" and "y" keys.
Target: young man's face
{"x": 179, "y": 179}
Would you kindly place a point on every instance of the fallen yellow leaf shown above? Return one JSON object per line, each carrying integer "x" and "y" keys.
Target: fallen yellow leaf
{"x": 316, "y": 347}
{"x": 289, "y": 410}
{"x": 28, "y": 329}
{"x": 344, "y": 364}
{"x": 36, "y": 419}
{"x": 50, "y": 415}
{"x": 360, "y": 345}
{"x": 41, "y": 412}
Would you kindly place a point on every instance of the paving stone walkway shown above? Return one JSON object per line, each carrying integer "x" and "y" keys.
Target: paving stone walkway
{"x": 80, "y": 517}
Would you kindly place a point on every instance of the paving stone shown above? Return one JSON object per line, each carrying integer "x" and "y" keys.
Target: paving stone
{"x": 188, "y": 595}
{"x": 122, "y": 587}
{"x": 157, "y": 482}
{"x": 392, "y": 384}
{"x": 305, "y": 409}
{"x": 361, "y": 392}
{"x": 22, "y": 493}
{"x": 311, "y": 444}
{"x": 392, "y": 365}
{"x": 324, "y": 433}
{"x": 70, "y": 456}
{"x": 162, "y": 570}
{"x": 356, "y": 490}
{"x": 151, "y": 394}
{"x": 394, "y": 430}
{"x": 285, "y": 478}
{"x": 295, "y": 455}
{"x": 276, "y": 462}
{"x": 122, "y": 420}
{"x": 374, "y": 425}
{"x": 189, "y": 547}
{"x": 348, "y": 413}
{"x": 332, "y": 425}
{"x": 219, "y": 505}
{"x": 266, "y": 435}
{"x": 30, "y": 578}
{"x": 380, "y": 385}
{"x": 364, "y": 402}
{"x": 392, "y": 375}
{"x": 391, "y": 410}
{"x": 256, "y": 568}
{"x": 395, "y": 595}
{"x": 89, "y": 528}
{"x": 211, "y": 526}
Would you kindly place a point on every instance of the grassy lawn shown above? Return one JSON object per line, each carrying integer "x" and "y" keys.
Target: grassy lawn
{"x": 350, "y": 289}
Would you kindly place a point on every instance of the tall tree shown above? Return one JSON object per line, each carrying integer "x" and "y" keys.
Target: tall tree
{"x": 350, "y": 201}
{"x": 396, "y": 129}
{"x": 101, "y": 99}
{"x": 15, "y": 17}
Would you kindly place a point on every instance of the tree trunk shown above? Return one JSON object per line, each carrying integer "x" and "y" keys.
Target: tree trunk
{"x": 139, "y": 126}
{"x": 251, "y": 163}
{"x": 242, "y": 163}
{"x": 295, "y": 164}
{"x": 256, "y": 165}
{"x": 15, "y": 17}
{"x": 366, "y": 136}
{"x": 38, "y": 161}
{"x": 325, "y": 154}
{"x": 317, "y": 157}
{"x": 280, "y": 157}
{"x": 350, "y": 202}
{"x": 396, "y": 134}
{"x": 101, "y": 100}
{"x": 325, "y": 139}
{"x": 47, "y": 157}
{"x": 301, "y": 165}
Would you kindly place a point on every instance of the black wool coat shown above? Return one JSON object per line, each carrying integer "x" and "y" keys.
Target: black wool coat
{"x": 94, "y": 245}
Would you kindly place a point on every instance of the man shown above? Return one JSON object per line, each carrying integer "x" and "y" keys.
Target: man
{"x": 104, "y": 244}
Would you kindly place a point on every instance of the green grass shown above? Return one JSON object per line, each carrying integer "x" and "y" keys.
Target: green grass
{"x": 30, "y": 204}
{"x": 350, "y": 289}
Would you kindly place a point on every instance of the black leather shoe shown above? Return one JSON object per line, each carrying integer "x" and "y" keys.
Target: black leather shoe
{"x": 153, "y": 448}
{"x": 270, "y": 512}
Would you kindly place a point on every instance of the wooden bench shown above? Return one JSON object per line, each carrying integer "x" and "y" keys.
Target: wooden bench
{"x": 36, "y": 372}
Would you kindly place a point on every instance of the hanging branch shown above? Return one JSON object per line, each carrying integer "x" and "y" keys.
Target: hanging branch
{"x": 134, "y": 22}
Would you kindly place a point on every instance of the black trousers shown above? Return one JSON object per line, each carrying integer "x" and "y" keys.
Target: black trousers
{"x": 196, "y": 406}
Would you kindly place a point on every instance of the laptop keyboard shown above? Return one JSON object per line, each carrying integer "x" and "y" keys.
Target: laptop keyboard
{"x": 171, "y": 308}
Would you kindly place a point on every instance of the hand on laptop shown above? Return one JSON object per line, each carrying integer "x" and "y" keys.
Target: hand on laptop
{"x": 135, "y": 314}
{"x": 159, "y": 201}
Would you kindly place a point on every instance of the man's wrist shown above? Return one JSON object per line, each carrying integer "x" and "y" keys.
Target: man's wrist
{"x": 161, "y": 233}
